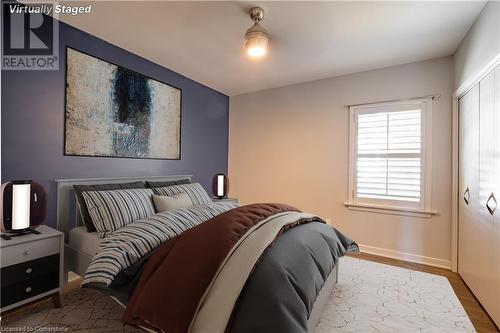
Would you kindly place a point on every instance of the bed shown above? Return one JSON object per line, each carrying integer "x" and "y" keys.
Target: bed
{"x": 82, "y": 249}
{"x": 79, "y": 244}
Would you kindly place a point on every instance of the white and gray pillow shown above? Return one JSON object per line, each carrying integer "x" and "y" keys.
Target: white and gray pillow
{"x": 79, "y": 189}
{"x": 112, "y": 210}
{"x": 195, "y": 191}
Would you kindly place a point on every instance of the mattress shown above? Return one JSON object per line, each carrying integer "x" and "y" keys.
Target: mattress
{"x": 82, "y": 240}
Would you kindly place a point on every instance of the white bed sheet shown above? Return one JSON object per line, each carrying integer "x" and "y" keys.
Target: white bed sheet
{"x": 83, "y": 241}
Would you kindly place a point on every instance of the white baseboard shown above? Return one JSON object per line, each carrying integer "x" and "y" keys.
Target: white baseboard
{"x": 405, "y": 256}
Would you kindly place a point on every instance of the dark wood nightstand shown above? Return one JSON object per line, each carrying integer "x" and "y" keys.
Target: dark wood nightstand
{"x": 32, "y": 268}
{"x": 235, "y": 200}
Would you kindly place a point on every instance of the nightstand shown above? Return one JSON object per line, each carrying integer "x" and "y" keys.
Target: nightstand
{"x": 31, "y": 268}
{"x": 235, "y": 200}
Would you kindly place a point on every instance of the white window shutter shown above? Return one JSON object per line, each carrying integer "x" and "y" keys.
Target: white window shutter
{"x": 389, "y": 155}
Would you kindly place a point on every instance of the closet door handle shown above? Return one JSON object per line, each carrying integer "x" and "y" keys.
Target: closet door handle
{"x": 491, "y": 204}
{"x": 467, "y": 196}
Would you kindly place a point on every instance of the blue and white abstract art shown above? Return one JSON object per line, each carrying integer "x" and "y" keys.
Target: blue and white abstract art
{"x": 115, "y": 112}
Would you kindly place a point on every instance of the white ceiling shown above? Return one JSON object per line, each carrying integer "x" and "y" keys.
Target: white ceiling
{"x": 309, "y": 40}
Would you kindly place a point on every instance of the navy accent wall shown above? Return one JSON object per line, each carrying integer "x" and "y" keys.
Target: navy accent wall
{"x": 33, "y": 124}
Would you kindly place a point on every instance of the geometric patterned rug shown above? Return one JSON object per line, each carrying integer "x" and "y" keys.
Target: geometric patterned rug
{"x": 369, "y": 297}
{"x": 373, "y": 297}
{"x": 83, "y": 310}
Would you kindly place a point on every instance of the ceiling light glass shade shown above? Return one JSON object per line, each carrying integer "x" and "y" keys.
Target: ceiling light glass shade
{"x": 256, "y": 41}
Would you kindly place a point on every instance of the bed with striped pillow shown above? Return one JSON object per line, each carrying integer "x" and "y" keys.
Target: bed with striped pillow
{"x": 195, "y": 191}
{"x": 112, "y": 210}
{"x": 127, "y": 245}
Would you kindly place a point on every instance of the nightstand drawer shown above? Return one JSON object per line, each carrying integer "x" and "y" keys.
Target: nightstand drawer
{"x": 30, "y": 288}
{"x": 29, "y": 270}
{"x": 16, "y": 254}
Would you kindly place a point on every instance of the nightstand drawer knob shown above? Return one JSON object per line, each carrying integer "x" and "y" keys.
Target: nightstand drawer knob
{"x": 28, "y": 252}
{"x": 29, "y": 270}
{"x": 28, "y": 289}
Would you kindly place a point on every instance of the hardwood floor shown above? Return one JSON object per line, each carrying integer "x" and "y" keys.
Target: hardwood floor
{"x": 480, "y": 319}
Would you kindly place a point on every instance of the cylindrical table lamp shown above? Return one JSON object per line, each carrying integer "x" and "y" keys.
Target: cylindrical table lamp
{"x": 23, "y": 206}
{"x": 220, "y": 186}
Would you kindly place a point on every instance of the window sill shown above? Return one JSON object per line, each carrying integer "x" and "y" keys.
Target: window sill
{"x": 381, "y": 209}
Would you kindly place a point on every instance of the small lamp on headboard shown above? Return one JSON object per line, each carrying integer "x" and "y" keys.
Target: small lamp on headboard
{"x": 220, "y": 185}
{"x": 23, "y": 207}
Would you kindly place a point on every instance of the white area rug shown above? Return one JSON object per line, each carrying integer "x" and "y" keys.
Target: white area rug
{"x": 369, "y": 297}
{"x": 373, "y": 297}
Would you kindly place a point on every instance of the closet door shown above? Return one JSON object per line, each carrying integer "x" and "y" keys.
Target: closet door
{"x": 495, "y": 313}
{"x": 489, "y": 191}
{"x": 489, "y": 149}
{"x": 468, "y": 235}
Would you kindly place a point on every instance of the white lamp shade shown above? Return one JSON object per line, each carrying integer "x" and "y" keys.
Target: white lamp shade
{"x": 21, "y": 194}
{"x": 220, "y": 186}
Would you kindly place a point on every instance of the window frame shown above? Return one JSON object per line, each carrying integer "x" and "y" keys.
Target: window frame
{"x": 421, "y": 209}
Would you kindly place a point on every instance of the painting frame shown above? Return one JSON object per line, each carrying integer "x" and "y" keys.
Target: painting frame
{"x": 65, "y": 127}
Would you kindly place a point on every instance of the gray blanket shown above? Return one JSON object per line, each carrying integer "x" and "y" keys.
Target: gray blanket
{"x": 280, "y": 294}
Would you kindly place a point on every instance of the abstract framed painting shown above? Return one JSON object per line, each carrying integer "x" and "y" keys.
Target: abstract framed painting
{"x": 111, "y": 111}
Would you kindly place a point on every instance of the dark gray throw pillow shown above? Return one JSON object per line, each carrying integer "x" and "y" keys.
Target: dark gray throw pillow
{"x": 87, "y": 220}
{"x": 168, "y": 183}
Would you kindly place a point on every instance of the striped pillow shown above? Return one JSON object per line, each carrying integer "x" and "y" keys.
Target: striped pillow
{"x": 128, "y": 245}
{"x": 195, "y": 191}
{"x": 112, "y": 210}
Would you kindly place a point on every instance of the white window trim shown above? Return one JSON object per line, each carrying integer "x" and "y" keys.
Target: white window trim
{"x": 424, "y": 209}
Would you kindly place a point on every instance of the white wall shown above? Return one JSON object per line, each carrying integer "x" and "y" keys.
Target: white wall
{"x": 290, "y": 145}
{"x": 480, "y": 45}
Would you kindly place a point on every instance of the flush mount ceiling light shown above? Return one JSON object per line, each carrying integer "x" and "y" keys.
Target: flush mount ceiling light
{"x": 256, "y": 38}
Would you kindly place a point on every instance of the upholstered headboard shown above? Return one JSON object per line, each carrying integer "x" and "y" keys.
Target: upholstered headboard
{"x": 68, "y": 215}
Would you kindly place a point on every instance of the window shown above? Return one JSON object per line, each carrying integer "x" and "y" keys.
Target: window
{"x": 389, "y": 156}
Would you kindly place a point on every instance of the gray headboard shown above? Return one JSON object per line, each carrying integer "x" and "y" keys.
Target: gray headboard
{"x": 68, "y": 215}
